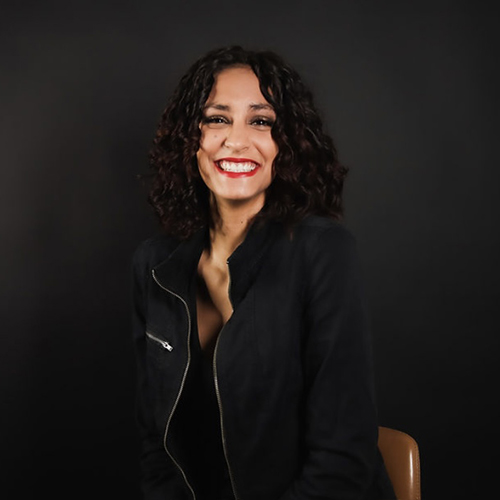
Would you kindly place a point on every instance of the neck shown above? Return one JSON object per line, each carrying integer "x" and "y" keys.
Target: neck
{"x": 231, "y": 224}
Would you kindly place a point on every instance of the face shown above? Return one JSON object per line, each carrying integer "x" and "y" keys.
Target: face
{"x": 237, "y": 150}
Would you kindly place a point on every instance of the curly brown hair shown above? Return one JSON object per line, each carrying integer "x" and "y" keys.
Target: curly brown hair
{"x": 308, "y": 175}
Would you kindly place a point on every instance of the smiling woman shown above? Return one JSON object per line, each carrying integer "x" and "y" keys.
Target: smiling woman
{"x": 237, "y": 149}
{"x": 253, "y": 348}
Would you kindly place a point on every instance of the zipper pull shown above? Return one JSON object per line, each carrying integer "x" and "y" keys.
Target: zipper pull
{"x": 166, "y": 345}
{"x": 162, "y": 342}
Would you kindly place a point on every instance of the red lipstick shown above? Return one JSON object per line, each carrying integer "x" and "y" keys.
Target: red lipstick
{"x": 235, "y": 175}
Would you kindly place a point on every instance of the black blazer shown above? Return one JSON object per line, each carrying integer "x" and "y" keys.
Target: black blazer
{"x": 292, "y": 366}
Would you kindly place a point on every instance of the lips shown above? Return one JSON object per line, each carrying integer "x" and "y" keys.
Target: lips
{"x": 237, "y": 167}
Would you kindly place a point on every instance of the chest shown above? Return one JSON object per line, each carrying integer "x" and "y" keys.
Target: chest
{"x": 213, "y": 304}
{"x": 265, "y": 328}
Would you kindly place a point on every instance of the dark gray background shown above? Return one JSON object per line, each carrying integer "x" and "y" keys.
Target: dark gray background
{"x": 409, "y": 92}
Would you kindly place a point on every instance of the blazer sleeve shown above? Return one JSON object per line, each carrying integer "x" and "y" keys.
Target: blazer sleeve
{"x": 340, "y": 422}
{"x": 159, "y": 477}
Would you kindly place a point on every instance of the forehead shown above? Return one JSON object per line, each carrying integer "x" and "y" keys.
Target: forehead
{"x": 236, "y": 86}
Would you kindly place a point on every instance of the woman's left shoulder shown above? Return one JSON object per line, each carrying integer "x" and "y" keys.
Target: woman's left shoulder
{"x": 325, "y": 233}
{"x": 329, "y": 254}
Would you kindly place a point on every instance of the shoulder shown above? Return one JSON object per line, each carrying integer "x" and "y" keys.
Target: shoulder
{"x": 327, "y": 251}
{"x": 321, "y": 234}
{"x": 330, "y": 263}
{"x": 154, "y": 250}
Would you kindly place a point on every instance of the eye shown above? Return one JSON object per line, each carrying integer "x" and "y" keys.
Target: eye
{"x": 214, "y": 120}
{"x": 262, "y": 121}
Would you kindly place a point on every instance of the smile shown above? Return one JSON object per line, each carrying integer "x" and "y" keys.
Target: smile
{"x": 237, "y": 167}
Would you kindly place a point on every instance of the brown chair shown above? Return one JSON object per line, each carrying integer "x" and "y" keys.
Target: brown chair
{"x": 402, "y": 461}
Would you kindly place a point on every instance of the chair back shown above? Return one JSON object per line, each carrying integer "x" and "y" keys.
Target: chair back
{"x": 402, "y": 461}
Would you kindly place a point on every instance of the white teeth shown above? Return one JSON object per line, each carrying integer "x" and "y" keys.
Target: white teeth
{"x": 230, "y": 166}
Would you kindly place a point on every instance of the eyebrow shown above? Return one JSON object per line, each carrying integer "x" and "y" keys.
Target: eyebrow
{"x": 258, "y": 107}
{"x": 253, "y": 107}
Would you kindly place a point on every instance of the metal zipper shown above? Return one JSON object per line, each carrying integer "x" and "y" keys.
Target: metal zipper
{"x": 219, "y": 401}
{"x": 163, "y": 343}
{"x": 182, "y": 382}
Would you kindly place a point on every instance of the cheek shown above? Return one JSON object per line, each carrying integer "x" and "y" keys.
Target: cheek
{"x": 203, "y": 158}
{"x": 273, "y": 152}
{"x": 208, "y": 142}
{"x": 271, "y": 147}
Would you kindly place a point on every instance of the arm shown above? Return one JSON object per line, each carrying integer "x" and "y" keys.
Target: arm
{"x": 340, "y": 427}
{"x": 159, "y": 477}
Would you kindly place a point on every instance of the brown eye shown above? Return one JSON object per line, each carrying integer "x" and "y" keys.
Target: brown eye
{"x": 214, "y": 120}
{"x": 263, "y": 122}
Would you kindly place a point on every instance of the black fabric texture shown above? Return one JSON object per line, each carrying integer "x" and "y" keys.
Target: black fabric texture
{"x": 293, "y": 366}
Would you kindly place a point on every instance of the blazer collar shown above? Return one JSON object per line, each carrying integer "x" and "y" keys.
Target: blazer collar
{"x": 176, "y": 273}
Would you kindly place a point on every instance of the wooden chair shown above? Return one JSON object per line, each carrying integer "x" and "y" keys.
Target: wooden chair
{"x": 402, "y": 461}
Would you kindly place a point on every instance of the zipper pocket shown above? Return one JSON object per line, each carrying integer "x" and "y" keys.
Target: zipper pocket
{"x": 182, "y": 382}
{"x": 163, "y": 343}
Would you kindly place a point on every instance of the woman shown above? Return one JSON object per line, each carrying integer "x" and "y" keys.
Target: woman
{"x": 253, "y": 351}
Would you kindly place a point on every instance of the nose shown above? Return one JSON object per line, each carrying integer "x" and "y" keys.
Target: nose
{"x": 237, "y": 138}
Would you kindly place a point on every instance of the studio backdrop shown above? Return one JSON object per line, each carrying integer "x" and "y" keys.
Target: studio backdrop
{"x": 408, "y": 91}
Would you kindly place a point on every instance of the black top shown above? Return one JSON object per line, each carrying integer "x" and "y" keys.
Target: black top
{"x": 199, "y": 430}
